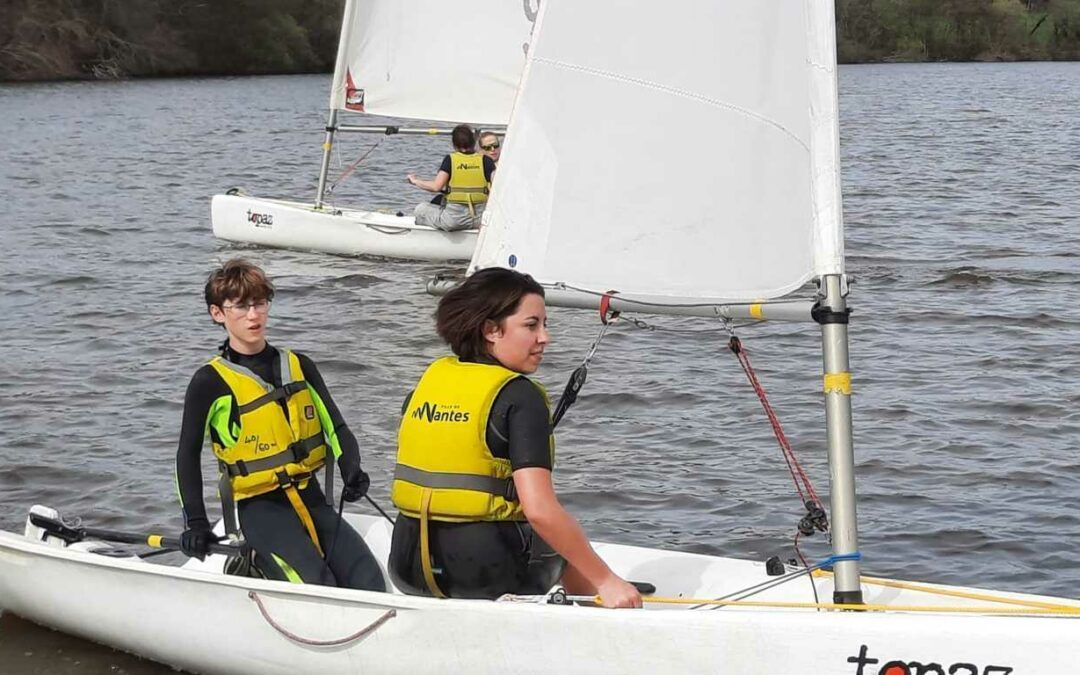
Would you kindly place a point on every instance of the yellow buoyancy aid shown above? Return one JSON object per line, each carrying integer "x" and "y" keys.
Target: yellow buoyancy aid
{"x": 267, "y": 450}
{"x": 468, "y": 184}
{"x": 443, "y": 460}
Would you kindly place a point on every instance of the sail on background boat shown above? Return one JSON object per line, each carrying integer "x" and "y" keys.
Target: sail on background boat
{"x": 418, "y": 59}
{"x": 456, "y": 62}
{"x": 699, "y": 164}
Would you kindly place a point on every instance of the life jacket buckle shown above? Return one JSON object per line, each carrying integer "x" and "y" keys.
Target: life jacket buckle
{"x": 510, "y": 494}
{"x": 299, "y": 451}
{"x": 284, "y": 479}
{"x": 241, "y": 467}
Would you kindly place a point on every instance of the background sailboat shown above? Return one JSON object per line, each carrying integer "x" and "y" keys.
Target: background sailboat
{"x": 457, "y": 62}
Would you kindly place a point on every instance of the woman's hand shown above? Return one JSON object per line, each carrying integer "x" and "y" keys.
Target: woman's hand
{"x": 616, "y": 593}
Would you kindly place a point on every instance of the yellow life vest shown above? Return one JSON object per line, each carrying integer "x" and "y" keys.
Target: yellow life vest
{"x": 468, "y": 185}
{"x": 267, "y": 450}
{"x": 442, "y": 447}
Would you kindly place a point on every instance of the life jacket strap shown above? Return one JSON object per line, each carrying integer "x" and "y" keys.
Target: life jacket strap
{"x": 425, "y": 545}
{"x": 500, "y": 487}
{"x": 288, "y": 484}
{"x": 278, "y": 394}
{"x": 228, "y": 504}
{"x": 294, "y": 452}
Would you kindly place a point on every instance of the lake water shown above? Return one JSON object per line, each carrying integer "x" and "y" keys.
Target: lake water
{"x": 961, "y": 206}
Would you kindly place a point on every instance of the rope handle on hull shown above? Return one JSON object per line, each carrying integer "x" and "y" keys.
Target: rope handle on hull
{"x": 363, "y": 632}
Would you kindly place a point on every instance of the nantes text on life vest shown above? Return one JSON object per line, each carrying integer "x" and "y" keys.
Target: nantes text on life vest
{"x": 432, "y": 413}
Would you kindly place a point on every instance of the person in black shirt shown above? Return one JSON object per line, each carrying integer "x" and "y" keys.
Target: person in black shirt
{"x": 461, "y": 185}
{"x": 478, "y": 512}
{"x": 272, "y": 424}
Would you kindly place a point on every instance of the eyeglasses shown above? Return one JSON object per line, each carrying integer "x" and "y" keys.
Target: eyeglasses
{"x": 241, "y": 309}
{"x": 493, "y": 146}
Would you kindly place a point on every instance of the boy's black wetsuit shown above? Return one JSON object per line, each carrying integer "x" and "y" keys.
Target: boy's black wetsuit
{"x": 283, "y": 548}
{"x": 487, "y": 559}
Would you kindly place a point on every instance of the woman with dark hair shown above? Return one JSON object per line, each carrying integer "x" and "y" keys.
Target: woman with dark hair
{"x": 478, "y": 512}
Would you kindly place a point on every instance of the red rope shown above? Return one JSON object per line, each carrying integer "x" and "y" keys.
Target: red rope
{"x": 353, "y": 166}
{"x": 798, "y": 476}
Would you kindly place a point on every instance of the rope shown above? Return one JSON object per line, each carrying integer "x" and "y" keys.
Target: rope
{"x": 352, "y": 167}
{"x": 802, "y": 482}
{"x": 367, "y": 630}
{"x": 769, "y": 584}
{"x": 1050, "y": 609}
{"x": 581, "y": 373}
{"x": 337, "y": 529}
{"x": 379, "y": 509}
{"x": 920, "y": 588}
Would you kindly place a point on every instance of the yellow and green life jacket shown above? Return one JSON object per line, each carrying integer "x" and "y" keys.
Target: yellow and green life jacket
{"x": 468, "y": 184}
{"x": 269, "y": 450}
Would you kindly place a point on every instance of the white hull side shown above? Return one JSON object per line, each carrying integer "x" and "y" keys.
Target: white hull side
{"x": 205, "y": 622}
{"x": 293, "y": 225}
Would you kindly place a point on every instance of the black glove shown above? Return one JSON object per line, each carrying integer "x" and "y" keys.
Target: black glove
{"x": 195, "y": 541}
{"x": 356, "y": 485}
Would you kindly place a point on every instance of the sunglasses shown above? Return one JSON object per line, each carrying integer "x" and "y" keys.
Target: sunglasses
{"x": 493, "y": 146}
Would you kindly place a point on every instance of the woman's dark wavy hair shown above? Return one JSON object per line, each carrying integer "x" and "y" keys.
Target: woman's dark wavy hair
{"x": 488, "y": 295}
{"x": 237, "y": 280}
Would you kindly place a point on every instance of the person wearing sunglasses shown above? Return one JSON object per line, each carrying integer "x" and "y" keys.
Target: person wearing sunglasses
{"x": 490, "y": 145}
{"x": 273, "y": 426}
{"x": 461, "y": 186}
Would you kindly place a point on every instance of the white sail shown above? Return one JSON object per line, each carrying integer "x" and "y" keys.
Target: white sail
{"x": 677, "y": 151}
{"x": 431, "y": 59}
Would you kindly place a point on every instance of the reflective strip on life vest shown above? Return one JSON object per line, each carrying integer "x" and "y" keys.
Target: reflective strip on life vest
{"x": 500, "y": 487}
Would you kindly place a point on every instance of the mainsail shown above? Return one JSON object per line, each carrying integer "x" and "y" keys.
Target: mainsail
{"x": 683, "y": 151}
{"x": 431, "y": 59}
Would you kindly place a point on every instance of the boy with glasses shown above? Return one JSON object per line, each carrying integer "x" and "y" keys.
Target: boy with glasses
{"x": 273, "y": 426}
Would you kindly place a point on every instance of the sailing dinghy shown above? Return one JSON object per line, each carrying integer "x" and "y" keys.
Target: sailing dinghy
{"x": 774, "y": 170}
{"x": 408, "y": 59}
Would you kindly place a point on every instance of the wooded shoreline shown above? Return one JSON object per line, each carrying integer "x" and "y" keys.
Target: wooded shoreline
{"x": 114, "y": 39}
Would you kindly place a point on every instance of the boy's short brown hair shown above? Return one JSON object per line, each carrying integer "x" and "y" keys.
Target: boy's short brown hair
{"x": 237, "y": 280}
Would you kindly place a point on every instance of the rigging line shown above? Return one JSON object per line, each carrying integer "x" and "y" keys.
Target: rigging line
{"x": 379, "y": 509}
{"x": 352, "y": 167}
{"x": 581, "y": 373}
{"x": 797, "y": 472}
{"x": 810, "y": 576}
{"x": 766, "y": 585}
{"x": 653, "y": 303}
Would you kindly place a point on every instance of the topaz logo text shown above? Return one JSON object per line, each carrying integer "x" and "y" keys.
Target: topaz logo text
{"x": 260, "y": 219}
{"x": 868, "y": 665}
{"x": 433, "y": 414}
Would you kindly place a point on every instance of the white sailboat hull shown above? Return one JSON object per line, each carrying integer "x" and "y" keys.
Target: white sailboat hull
{"x": 294, "y": 225}
{"x": 200, "y": 620}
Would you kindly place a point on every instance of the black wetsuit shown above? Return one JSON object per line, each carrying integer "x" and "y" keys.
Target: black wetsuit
{"x": 283, "y": 549}
{"x": 487, "y": 559}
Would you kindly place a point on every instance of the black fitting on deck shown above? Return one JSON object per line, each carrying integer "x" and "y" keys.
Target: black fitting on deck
{"x": 390, "y": 131}
{"x": 847, "y": 597}
{"x": 824, "y": 315}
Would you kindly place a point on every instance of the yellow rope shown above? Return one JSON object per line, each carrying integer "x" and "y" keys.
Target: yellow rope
{"x": 1049, "y": 609}
{"x": 986, "y": 597}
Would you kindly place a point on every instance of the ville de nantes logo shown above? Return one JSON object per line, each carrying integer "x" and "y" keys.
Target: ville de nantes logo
{"x": 435, "y": 412}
